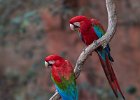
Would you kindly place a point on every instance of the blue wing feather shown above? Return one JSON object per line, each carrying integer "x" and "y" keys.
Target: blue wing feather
{"x": 100, "y": 32}
{"x": 70, "y": 93}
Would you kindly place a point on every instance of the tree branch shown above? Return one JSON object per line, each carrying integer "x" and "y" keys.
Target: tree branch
{"x": 105, "y": 39}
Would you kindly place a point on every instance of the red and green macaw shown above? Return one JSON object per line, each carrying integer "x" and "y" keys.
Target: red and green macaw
{"x": 90, "y": 30}
{"x": 63, "y": 77}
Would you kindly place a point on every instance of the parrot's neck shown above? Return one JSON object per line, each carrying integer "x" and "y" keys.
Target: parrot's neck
{"x": 85, "y": 26}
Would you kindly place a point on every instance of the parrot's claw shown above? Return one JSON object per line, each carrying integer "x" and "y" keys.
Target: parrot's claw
{"x": 104, "y": 44}
{"x": 95, "y": 41}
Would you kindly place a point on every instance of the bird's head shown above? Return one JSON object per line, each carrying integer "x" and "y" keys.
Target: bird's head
{"x": 75, "y": 22}
{"x": 53, "y": 60}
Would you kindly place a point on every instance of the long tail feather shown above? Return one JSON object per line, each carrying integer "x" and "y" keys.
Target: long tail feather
{"x": 109, "y": 72}
{"x": 114, "y": 76}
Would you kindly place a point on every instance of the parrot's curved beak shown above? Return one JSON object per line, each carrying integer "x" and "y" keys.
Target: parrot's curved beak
{"x": 72, "y": 27}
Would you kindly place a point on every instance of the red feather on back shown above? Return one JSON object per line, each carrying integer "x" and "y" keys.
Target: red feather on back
{"x": 96, "y": 22}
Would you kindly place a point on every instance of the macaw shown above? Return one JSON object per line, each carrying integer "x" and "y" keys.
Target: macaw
{"x": 63, "y": 77}
{"x": 90, "y": 30}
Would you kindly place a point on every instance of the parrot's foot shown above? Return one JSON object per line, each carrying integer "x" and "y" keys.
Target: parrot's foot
{"x": 84, "y": 51}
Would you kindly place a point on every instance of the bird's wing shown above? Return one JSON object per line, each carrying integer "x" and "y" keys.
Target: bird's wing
{"x": 98, "y": 28}
{"x": 67, "y": 87}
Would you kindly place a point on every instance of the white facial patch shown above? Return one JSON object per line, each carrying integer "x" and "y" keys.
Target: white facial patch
{"x": 77, "y": 24}
{"x": 72, "y": 27}
{"x": 51, "y": 62}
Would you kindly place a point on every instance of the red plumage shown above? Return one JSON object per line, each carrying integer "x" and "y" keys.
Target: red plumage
{"x": 109, "y": 72}
{"x": 63, "y": 77}
{"x": 61, "y": 68}
{"x": 90, "y": 30}
{"x": 87, "y": 32}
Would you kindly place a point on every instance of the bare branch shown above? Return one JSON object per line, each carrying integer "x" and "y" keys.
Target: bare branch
{"x": 112, "y": 21}
{"x": 56, "y": 96}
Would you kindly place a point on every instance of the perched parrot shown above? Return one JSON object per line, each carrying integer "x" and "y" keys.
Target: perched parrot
{"x": 63, "y": 77}
{"x": 90, "y": 30}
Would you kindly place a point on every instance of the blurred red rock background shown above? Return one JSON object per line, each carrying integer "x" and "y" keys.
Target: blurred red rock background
{"x": 30, "y": 30}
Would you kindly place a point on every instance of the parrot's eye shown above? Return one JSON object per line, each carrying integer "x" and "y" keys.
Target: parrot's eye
{"x": 51, "y": 62}
{"x": 76, "y": 26}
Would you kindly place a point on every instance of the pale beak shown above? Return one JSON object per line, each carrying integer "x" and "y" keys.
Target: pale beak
{"x": 72, "y": 27}
{"x": 46, "y": 64}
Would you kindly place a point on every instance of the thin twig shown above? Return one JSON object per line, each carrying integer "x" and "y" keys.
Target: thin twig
{"x": 56, "y": 96}
{"x": 112, "y": 22}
